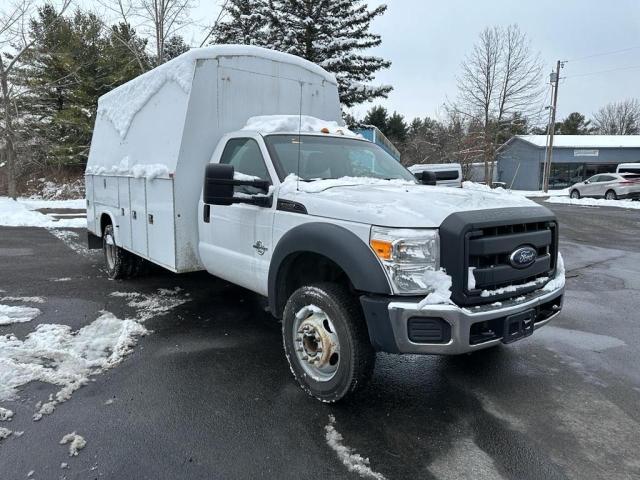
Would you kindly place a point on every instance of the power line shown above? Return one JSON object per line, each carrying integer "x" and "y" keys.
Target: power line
{"x": 603, "y": 71}
{"x": 603, "y": 54}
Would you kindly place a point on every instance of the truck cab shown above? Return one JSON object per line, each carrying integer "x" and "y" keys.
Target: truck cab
{"x": 354, "y": 255}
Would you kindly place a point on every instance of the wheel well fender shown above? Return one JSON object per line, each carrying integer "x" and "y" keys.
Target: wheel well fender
{"x": 336, "y": 244}
{"x": 106, "y": 219}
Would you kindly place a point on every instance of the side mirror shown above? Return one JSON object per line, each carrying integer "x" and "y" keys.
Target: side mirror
{"x": 586, "y": 181}
{"x": 219, "y": 187}
{"x": 426, "y": 178}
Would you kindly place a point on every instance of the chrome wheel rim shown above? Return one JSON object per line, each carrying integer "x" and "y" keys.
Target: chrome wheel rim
{"x": 610, "y": 196}
{"x": 574, "y": 195}
{"x": 316, "y": 343}
{"x": 110, "y": 251}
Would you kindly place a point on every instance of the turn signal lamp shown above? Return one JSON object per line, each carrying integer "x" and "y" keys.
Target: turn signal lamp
{"x": 325, "y": 130}
{"x": 382, "y": 249}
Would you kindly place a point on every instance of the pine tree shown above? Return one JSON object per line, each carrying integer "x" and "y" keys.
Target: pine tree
{"x": 396, "y": 129}
{"x": 245, "y": 24}
{"x": 331, "y": 33}
{"x": 574, "y": 124}
{"x": 378, "y": 117}
{"x": 174, "y": 46}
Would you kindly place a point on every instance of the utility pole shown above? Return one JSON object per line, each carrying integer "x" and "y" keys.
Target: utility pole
{"x": 555, "y": 82}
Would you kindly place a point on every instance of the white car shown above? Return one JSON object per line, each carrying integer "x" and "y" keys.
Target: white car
{"x": 199, "y": 164}
{"x": 611, "y": 186}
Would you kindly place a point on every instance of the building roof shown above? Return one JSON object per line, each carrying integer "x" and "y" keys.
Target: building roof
{"x": 583, "y": 141}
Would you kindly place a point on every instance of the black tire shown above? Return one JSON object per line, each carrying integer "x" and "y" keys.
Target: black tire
{"x": 119, "y": 263}
{"x": 357, "y": 356}
{"x": 613, "y": 196}
{"x": 575, "y": 194}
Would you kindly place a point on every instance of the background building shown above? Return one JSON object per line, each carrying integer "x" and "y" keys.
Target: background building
{"x": 575, "y": 158}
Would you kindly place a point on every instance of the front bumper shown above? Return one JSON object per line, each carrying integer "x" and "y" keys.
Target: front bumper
{"x": 465, "y": 329}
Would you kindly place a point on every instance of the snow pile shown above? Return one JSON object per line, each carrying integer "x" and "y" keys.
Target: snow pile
{"x": 596, "y": 202}
{"x": 5, "y": 414}
{"x": 148, "y": 306}
{"x": 22, "y": 299}
{"x": 440, "y": 283}
{"x": 292, "y": 183}
{"x": 559, "y": 279}
{"x": 54, "y": 354}
{"x": 76, "y": 443}
{"x": 471, "y": 279}
{"x": 295, "y": 123}
{"x": 19, "y": 214}
{"x": 17, "y": 314}
{"x": 353, "y": 461}
{"x": 4, "y": 433}
{"x": 150, "y": 172}
{"x": 121, "y": 104}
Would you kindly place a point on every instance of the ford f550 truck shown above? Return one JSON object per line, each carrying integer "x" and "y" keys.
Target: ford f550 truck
{"x": 234, "y": 160}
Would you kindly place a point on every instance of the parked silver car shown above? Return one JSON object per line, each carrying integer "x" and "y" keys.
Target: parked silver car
{"x": 611, "y": 186}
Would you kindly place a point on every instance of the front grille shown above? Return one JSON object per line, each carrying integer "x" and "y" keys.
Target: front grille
{"x": 483, "y": 240}
{"x": 489, "y": 250}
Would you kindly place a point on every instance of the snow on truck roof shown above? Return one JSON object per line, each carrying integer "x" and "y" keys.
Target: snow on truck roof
{"x": 122, "y": 103}
{"x": 266, "y": 124}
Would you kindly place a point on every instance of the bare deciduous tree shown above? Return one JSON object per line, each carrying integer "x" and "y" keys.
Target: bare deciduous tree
{"x": 618, "y": 118}
{"x": 15, "y": 42}
{"x": 500, "y": 79}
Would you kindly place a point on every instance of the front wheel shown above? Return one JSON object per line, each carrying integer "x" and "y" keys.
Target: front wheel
{"x": 575, "y": 194}
{"x": 610, "y": 195}
{"x": 326, "y": 341}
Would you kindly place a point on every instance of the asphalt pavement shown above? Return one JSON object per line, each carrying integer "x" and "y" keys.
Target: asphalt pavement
{"x": 208, "y": 393}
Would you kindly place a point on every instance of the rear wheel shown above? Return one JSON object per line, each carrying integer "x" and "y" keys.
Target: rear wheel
{"x": 118, "y": 262}
{"x": 326, "y": 341}
{"x": 611, "y": 195}
{"x": 575, "y": 194}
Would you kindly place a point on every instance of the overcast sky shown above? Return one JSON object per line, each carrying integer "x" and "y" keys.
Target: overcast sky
{"x": 426, "y": 40}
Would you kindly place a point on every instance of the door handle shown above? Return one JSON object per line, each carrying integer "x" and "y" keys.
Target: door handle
{"x": 260, "y": 248}
{"x": 206, "y": 213}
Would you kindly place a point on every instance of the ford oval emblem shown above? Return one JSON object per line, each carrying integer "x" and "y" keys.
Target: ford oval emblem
{"x": 523, "y": 257}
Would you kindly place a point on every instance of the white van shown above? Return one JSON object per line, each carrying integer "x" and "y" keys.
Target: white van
{"x": 235, "y": 160}
{"x": 447, "y": 174}
{"x": 628, "y": 168}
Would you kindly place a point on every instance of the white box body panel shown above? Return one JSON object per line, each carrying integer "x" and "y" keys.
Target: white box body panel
{"x": 187, "y": 105}
{"x": 124, "y": 218}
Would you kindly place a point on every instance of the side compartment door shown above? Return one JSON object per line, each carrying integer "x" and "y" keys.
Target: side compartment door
{"x": 237, "y": 235}
{"x": 137, "y": 190}
{"x": 123, "y": 220}
{"x": 160, "y": 221}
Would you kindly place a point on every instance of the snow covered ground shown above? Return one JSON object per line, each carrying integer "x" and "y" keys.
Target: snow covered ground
{"x": 22, "y": 213}
{"x": 596, "y": 202}
{"x": 521, "y": 193}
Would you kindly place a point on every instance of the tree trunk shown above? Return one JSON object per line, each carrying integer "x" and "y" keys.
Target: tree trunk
{"x": 9, "y": 143}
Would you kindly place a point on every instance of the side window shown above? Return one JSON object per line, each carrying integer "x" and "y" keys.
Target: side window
{"x": 245, "y": 156}
{"x": 606, "y": 178}
{"x": 595, "y": 178}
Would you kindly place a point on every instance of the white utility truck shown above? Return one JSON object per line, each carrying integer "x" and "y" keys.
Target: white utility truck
{"x": 233, "y": 160}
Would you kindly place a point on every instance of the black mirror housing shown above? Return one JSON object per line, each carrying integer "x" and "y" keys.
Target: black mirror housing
{"x": 219, "y": 186}
{"x": 426, "y": 178}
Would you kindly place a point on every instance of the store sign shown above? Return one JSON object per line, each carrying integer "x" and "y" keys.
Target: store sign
{"x": 586, "y": 153}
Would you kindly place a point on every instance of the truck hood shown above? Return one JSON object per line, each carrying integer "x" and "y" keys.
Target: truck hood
{"x": 396, "y": 204}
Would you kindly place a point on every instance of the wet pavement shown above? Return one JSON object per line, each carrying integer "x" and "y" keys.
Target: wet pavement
{"x": 208, "y": 393}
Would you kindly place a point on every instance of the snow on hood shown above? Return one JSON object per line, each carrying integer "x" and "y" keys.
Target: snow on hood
{"x": 392, "y": 203}
{"x": 293, "y": 123}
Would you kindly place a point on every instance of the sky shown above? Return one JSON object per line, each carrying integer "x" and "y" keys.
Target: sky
{"x": 427, "y": 40}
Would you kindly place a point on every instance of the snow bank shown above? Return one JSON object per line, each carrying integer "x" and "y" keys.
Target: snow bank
{"x": 353, "y": 461}
{"x": 121, "y": 104}
{"x": 441, "y": 283}
{"x": 292, "y": 183}
{"x": 17, "y": 314}
{"x": 35, "y": 203}
{"x": 293, "y": 123}
{"x": 19, "y": 214}
{"x": 76, "y": 443}
{"x": 596, "y": 202}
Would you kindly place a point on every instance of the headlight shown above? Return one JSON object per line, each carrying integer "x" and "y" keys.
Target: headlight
{"x": 405, "y": 255}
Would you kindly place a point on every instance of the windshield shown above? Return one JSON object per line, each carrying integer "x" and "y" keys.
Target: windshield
{"x": 331, "y": 157}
